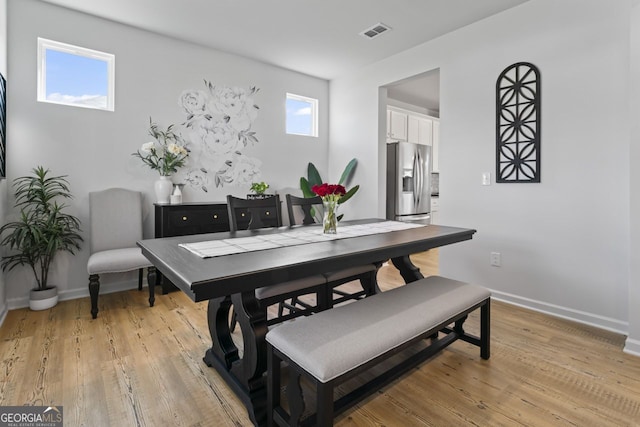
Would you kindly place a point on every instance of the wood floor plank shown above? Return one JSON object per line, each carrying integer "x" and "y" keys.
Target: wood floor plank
{"x": 141, "y": 366}
{"x": 84, "y": 394}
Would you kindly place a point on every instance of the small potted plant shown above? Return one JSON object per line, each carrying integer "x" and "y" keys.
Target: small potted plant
{"x": 259, "y": 189}
{"x": 42, "y": 230}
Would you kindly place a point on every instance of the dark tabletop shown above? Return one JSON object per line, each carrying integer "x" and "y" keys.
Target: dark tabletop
{"x": 206, "y": 278}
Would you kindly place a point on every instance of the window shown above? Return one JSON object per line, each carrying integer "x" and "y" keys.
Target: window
{"x": 302, "y": 115}
{"x": 72, "y": 75}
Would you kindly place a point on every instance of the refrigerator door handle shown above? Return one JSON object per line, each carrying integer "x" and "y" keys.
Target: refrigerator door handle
{"x": 416, "y": 171}
{"x": 419, "y": 177}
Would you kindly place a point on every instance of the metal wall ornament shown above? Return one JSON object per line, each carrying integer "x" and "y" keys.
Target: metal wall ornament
{"x": 3, "y": 125}
{"x": 518, "y": 124}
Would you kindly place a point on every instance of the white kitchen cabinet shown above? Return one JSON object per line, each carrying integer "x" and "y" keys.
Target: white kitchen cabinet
{"x": 405, "y": 125}
{"x": 435, "y": 205}
{"x": 397, "y": 126}
{"x": 419, "y": 130}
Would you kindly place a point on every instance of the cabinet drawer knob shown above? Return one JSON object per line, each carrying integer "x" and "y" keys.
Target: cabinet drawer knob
{"x": 184, "y": 218}
{"x": 242, "y": 214}
{"x": 215, "y": 216}
{"x": 267, "y": 213}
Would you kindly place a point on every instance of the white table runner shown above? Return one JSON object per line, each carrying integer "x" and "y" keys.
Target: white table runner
{"x": 295, "y": 236}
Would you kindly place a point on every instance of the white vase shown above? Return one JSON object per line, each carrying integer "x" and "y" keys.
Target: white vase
{"x": 176, "y": 196}
{"x": 163, "y": 187}
{"x": 43, "y": 299}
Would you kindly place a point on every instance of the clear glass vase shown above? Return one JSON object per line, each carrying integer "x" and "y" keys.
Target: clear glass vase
{"x": 330, "y": 219}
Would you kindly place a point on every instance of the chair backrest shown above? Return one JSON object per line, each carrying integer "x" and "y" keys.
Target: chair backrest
{"x": 307, "y": 207}
{"x": 116, "y": 219}
{"x": 250, "y": 214}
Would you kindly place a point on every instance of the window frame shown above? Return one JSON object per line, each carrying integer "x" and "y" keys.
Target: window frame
{"x": 314, "y": 114}
{"x": 45, "y": 44}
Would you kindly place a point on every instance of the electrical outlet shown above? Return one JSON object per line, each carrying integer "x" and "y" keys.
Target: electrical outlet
{"x": 496, "y": 259}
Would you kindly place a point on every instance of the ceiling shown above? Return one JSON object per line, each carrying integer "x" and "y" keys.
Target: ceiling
{"x": 316, "y": 37}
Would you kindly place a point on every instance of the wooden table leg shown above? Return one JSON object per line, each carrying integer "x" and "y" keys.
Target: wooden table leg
{"x": 408, "y": 271}
{"x": 244, "y": 375}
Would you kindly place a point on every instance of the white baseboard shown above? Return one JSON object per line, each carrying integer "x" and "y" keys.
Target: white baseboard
{"x": 583, "y": 317}
{"x": 3, "y": 314}
{"x": 65, "y": 295}
{"x": 632, "y": 346}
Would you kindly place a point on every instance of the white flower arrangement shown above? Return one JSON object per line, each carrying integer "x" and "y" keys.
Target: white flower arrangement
{"x": 165, "y": 154}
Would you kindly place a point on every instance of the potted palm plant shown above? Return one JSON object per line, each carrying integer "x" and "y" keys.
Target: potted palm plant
{"x": 313, "y": 179}
{"x": 43, "y": 229}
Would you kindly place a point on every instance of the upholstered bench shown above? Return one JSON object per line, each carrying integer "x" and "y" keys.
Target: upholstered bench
{"x": 334, "y": 346}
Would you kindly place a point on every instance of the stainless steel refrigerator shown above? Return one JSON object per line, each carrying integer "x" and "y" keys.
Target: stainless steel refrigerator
{"x": 408, "y": 181}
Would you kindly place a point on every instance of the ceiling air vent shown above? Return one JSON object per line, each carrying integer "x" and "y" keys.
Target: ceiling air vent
{"x": 375, "y": 30}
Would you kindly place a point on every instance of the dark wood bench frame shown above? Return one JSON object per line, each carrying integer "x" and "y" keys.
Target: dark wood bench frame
{"x": 327, "y": 409}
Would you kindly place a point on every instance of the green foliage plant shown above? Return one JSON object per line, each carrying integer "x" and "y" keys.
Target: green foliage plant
{"x": 313, "y": 178}
{"x": 43, "y": 227}
{"x": 259, "y": 187}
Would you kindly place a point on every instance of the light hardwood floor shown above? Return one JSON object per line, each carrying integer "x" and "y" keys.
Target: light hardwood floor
{"x": 141, "y": 366}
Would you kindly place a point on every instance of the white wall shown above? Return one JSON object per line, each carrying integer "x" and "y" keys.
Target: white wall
{"x": 94, "y": 147}
{"x": 564, "y": 242}
{"x": 633, "y": 341}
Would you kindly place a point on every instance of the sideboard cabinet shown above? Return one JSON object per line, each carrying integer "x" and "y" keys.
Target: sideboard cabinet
{"x": 194, "y": 218}
{"x": 188, "y": 218}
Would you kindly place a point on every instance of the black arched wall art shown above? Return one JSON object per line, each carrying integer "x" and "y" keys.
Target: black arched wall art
{"x": 3, "y": 125}
{"x": 518, "y": 124}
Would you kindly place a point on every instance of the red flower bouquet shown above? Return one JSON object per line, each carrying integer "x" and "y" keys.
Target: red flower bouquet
{"x": 330, "y": 194}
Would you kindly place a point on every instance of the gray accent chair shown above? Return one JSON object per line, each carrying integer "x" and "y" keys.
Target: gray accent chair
{"x": 116, "y": 226}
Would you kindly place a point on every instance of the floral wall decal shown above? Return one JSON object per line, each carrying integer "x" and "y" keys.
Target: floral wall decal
{"x": 217, "y": 131}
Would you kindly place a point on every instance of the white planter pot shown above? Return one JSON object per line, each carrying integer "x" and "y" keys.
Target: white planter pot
{"x": 42, "y": 300}
{"x": 163, "y": 188}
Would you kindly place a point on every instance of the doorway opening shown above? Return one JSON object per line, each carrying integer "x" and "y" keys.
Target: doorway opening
{"x": 413, "y": 116}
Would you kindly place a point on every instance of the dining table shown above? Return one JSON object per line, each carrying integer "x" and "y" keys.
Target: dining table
{"x": 227, "y": 278}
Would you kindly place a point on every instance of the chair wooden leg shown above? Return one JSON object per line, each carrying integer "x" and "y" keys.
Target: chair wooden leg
{"x": 370, "y": 284}
{"x": 280, "y": 309}
{"x": 140, "y": 279}
{"x": 94, "y": 289}
{"x": 327, "y": 297}
{"x": 152, "y": 288}
{"x": 323, "y": 298}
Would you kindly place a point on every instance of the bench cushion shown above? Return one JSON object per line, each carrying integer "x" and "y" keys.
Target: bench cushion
{"x": 336, "y": 341}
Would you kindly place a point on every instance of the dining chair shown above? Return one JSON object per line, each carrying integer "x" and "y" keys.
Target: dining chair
{"x": 251, "y": 214}
{"x": 307, "y": 211}
{"x": 116, "y": 226}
